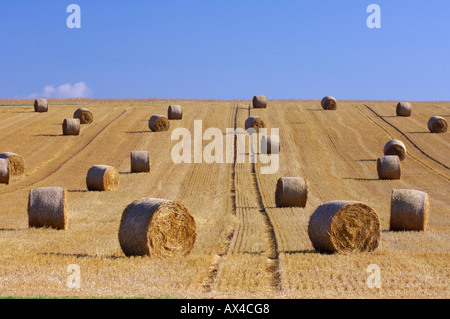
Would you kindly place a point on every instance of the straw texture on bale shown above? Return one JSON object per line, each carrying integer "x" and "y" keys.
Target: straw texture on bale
{"x": 437, "y": 124}
{"x": 84, "y": 115}
{"x": 16, "y": 163}
{"x": 389, "y": 167}
{"x": 140, "y": 161}
{"x": 175, "y": 112}
{"x": 41, "y": 105}
{"x": 291, "y": 192}
{"x": 344, "y": 227}
{"x": 409, "y": 210}
{"x": 157, "y": 228}
{"x": 5, "y": 173}
{"x": 395, "y": 147}
{"x": 329, "y": 103}
{"x": 259, "y": 101}
{"x": 47, "y": 207}
{"x": 403, "y": 109}
{"x": 102, "y": 178}
{"x": 270, "y": 144}
{"x": 254, "y": 122}
{"x": 71, "y": 127}
{"x": 158, "y": 123}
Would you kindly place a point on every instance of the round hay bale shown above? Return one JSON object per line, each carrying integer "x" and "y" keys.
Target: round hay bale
{"x": 84, "y": 115}
{"x": 41, "y": 105}
{"x": 395, "y": 147}
{"x": 140, "y": 161}
{"x": 344, "y": 227}
{"x": 437, "y": 124}
{"x": 47, "y": 207}
{"x": 403, "y": 109}
{"x": 255, "y": 122}
{"x": 291, "y": 192}
{"x": 409, "y": 210}
{"x": 159, "y": 123}
{"x": 5, "y": 172}
{"x": 270, "y": 144}
{"x": 102, "y": 178}
{"x": 16, "y": 163}
{"x": 259, "y": 102}
{"x": 157, "y": 228}
{"x": 175, "y": 112}
{"x": 329, "y": 103}
{"x": 388, "y": 167}
{"x": 71, "y": 127}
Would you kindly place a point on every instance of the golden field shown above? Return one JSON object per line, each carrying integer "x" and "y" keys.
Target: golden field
{"x": 246, "y": 247}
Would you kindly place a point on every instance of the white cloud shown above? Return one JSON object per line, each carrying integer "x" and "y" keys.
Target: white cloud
{"x": 64, "y": 91}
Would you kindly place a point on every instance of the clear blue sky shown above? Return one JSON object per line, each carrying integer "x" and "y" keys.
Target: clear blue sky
{"x": 228, "y": 49}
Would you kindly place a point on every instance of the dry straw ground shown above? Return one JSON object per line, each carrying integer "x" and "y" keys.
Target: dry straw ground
{"x": 246, "y": 246}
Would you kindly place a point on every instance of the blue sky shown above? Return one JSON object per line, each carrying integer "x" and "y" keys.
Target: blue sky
{"x": 228, "y": 49}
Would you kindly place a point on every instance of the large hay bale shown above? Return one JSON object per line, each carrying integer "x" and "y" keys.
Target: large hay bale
{"x": 403, "y": 109}
{"x": 270, "y": 144}
{"x": 41, "y": 105}
{"x": 16, "y": 163}
{"x": 140, "y": 161}
{"x": 254, "y": 122}
{"x": 329, "y": 103}
{"x": 259, "y": 101}
{"x": 389, "y": 167}
{"x": 175, "y": 112}
{"x": 344, "y": 226}
{"x": 84, "y": 115}
{"x": 159, "y": 123}
{"x": 395, "y": 147}
{"x": 102, "y": 178}
{"x": 437, "y": 124}
{"x": 409, "y": 210}
{"x": 5, "y": 172}
{"x": 291, "y": 192}
{"x": 71, "y": 126}
{"x": 47, "y": 207}
{"x": 157, "y": 228}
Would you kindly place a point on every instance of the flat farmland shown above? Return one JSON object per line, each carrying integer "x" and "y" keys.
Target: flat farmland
{"x": 246, "y": 247}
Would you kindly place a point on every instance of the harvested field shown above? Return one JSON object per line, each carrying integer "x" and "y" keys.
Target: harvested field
{"x": 246, "y": 246}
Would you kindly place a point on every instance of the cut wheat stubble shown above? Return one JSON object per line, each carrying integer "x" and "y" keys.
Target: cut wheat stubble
{"x": 158, "y": 123}
{"x": 84, "y": 115}
{"x": 389, "y": 167}
{"x": 71, "y": 126}
{"x": 41, "y": 105}
{"x": 259, "y": 102}
{"x": 16, "y": 162}
{"x": 5, "y": 172}
{"x": 291, "y": 192}
{"x": 175, "y": 112}
{"x": 157, "y": 228}
{"x": 409, "y": 210}
{"x": 403, "y": 109}
{"x": 102, "y": 178}
{"x": 47, "y": 207}
{"x": 344, "y": 227}
{"x": 437, "y": 124}
{"x": 395, "y": 147}
{"x": 140, "y": 161}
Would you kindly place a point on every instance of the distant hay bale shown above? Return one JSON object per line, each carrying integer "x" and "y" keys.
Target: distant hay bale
{"x": 329, "y": 103}
{"x": 389, "y": 167}
{"x": 254, "y": 122}
{"x": 259, "y": 101}
{"x": 84, "y": 115}
{"x": 102, "y": 178}
{"x": 41, "y": 105}
{"x": 159, "y": 123}
{"x": 140, "y": 161}
{"x": 157, "y": 228}
{"x": 16, "y": 163}
{"x": 175, "y": 112}
{"x": 47, "y": 207}
{"x": 5, "y": 172}
{"x": 437, "y": 124}
{"x": 291, "y": 192}
{"x": 270, "y": 144}
{"x": 344, "y": 227}
{"x": 403, "y": 109}
{"x": 71, "y": 126}
{"x": 395, "y": 147}
{"x": 409, "y": 210}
